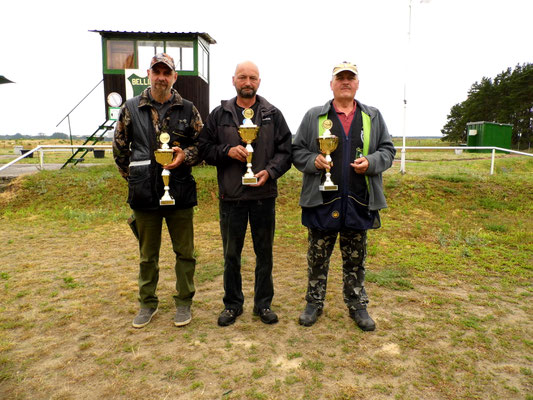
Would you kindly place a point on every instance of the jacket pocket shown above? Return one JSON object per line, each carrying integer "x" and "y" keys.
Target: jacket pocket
{"x": 358, "y": 216}
{"x": 183, "y": 191}
{"x": 140, "y": 191}
{"x": 325, "y": 217}
{"x": 179, "y": 138}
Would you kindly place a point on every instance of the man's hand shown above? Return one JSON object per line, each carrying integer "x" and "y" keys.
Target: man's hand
{"x": 262, "y": 176}
{"x": 179, "y": 157}
{"x": 238, "y": 153}
{"x": 360, "y": 165}
{"x": 321, "y": 163}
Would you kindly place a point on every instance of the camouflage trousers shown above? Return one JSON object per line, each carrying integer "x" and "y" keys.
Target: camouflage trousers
{"x": 353, "y": 250}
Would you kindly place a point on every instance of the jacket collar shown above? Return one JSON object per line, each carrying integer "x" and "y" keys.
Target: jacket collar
{"x": 264, "y": 108}
{"x": 364, "y": 108}
{"x": 145, "y": 98}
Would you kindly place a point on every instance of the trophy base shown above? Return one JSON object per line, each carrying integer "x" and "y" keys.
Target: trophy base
{"x": 249, "y": 180}
{"x": 328, "y": 188}
{"x": 166, "y": 202}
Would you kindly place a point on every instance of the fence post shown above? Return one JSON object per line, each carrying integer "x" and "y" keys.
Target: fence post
{"x": 492, "y": 162}
{"x": 402, "y": 164}
{"x": 41, "y": 158}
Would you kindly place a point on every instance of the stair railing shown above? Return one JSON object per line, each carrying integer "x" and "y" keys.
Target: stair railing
{"x": 67, "y": 117}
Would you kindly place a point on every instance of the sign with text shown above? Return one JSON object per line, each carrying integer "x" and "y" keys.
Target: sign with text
{"x": 113, "y": 113}
{"x": 136, "y": 81}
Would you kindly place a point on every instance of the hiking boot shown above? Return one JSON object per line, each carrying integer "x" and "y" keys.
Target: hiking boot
{"x": 310, "y": 314}
{"x": 144, "y": 317}
{"x": 362, "y": 319}
{"x": 228, "y": 316}
{"x": 183, "y": 315}
{"x": 267, "y": 315}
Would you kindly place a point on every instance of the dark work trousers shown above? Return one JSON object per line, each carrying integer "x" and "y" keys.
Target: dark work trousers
{"x": 234, "y": 217}
{"x": 353, "y": 251}
{"x": 180, "y": 228}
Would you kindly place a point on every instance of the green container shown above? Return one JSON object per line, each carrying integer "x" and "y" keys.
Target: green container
{"x": 488, "y": 134}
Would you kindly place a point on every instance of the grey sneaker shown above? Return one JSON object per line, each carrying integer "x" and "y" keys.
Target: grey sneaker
{"x": 144, "y": 317}
{"x": 183, "y": 316}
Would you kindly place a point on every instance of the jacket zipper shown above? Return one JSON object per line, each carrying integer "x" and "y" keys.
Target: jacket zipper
{"x": 345, "y": 175}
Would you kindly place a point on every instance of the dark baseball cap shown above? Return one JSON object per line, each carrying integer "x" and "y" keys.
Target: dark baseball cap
{"x": 163, "y": 58}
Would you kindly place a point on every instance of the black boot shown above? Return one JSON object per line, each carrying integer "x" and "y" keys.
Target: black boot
{"x": 228, "y": 316}
{"x": 266, "y": 314}
{"x": 362, "y": 319}
{"x": 310, "y": 314}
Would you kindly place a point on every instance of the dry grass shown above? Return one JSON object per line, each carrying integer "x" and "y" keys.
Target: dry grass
{"x": 449, "y": 278}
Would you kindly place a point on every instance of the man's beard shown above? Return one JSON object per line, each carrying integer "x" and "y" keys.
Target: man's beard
{"x": 162, "y": 86}
{"x": 246, "y": 93}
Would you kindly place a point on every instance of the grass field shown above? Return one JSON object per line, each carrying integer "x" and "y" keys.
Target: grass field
{"x": 50, "y": 155}
{"x": 449, "y": 277}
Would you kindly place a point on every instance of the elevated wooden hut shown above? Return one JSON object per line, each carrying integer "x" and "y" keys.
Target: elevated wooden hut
{"x": 126, "y": 57}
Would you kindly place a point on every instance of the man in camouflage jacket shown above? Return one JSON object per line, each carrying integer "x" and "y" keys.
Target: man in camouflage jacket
{"x": 159, "y": 115}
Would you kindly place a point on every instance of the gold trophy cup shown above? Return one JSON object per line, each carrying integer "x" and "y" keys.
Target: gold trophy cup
{"x": 328, "y": 143}
{"x": 248, "y": 132}
{"x": 164, "y": 156}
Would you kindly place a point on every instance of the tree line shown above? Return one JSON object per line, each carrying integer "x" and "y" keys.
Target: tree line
{"x": 507, "y": 98}
{"x": 18, "y": 136}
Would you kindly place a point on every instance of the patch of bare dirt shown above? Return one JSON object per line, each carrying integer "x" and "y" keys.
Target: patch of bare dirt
{"x": 68, "y": 298}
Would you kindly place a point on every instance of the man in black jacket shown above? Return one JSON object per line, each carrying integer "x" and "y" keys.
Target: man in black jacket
{"x": 220, "y": 145}
{"x": 160, "y": 115}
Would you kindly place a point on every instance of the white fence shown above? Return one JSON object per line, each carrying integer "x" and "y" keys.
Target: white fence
{"x": 44, "y": 148}
{"x": 403, "y": 152}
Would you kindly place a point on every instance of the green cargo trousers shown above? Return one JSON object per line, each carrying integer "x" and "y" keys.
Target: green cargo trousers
{"x": 180, "y": 228}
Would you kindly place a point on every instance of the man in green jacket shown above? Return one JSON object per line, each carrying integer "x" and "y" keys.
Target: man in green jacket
{"x": 363, "y": 152}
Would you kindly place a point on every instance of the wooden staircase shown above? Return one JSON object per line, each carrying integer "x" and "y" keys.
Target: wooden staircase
{"x": 97, "y": 136}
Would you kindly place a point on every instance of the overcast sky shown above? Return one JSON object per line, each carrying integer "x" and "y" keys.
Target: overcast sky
{"x": 47, "y": 49}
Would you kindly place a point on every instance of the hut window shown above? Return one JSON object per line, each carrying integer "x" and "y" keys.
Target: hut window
{"x": 146, "y": 49}
{"x": 120, "y": 54}
{"x": 182, "y": 53}
{"x": 203, "y": 62}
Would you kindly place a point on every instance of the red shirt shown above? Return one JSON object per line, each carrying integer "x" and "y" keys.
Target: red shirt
{"x": 346, "y": 120}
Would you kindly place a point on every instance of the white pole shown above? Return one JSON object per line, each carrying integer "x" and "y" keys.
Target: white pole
{"x": 402, "y": 164}
{"x": 41, "y": 158}
{"x": 492, "y": 162}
